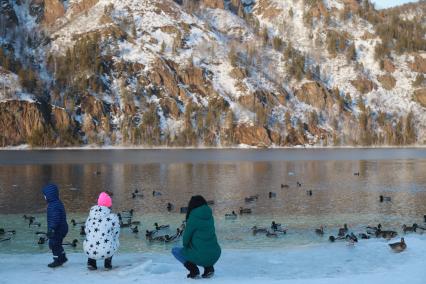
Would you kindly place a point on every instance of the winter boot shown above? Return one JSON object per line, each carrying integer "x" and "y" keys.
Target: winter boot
{"x": 108, "y": 264}
{"x": 208, "y": 272}
{"x": 55, "y": 263}
{"x": 91, "y": 264}
{"x": 194, "y": 272}
{"x": 63, "y": 258}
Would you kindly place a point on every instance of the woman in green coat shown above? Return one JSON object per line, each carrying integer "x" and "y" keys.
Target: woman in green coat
{"x": 200, "y": 246}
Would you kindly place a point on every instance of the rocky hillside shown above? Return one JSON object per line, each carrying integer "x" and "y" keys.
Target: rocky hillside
{"x": 211, "y": 73}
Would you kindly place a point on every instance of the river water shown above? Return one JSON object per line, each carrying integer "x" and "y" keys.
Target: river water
{"x": 225, "y": 177}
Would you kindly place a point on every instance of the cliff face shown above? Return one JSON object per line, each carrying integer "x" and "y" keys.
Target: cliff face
{"x": 210, "y": 72}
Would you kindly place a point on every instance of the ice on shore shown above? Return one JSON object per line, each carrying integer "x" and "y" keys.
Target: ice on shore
{"x": 370, "y": 261}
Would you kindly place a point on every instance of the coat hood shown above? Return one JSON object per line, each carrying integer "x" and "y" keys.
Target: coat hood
{"x": 51, "y": 192}
{"x": 203, "y": 212}
{"x": 99, "y": 212}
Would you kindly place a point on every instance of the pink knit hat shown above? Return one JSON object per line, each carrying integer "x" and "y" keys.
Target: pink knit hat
{"x": 104, "y": 200}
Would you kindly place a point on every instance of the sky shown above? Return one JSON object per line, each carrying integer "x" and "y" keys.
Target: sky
{"x": 380, "y": 4}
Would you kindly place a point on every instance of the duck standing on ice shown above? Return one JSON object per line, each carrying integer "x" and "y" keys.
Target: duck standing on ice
{"x": 399, "y": 246}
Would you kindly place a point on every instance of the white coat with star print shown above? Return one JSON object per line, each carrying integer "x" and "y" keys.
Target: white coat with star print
{"x": 102, "y": 233}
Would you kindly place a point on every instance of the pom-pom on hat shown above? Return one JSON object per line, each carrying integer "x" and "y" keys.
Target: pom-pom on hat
{"x": 104, "y": 200}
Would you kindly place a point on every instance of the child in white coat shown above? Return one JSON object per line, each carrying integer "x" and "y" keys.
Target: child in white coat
{"x": 102, "y": 233}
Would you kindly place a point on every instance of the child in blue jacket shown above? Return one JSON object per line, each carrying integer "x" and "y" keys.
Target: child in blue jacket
{"x": 57, "y": 227}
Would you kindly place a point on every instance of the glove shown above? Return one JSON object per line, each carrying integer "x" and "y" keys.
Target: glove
{"x": 50, "y": 233}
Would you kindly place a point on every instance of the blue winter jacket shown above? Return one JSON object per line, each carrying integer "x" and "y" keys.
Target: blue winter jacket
{"x": 56, "y": 216}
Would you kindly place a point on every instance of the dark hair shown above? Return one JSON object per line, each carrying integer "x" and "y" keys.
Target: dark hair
{"x": 195, "y": 202}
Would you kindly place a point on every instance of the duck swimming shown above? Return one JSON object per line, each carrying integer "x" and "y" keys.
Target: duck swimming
{"x": 299, "y": 184}
{"x": 175, "y": 236}
{"x": 10, "y": 232}
{"x": 386, "y": 234}
{"x": 356, "y": 174}
{"x": 272, "y": 194}
{"x": 33, "y": 223}
{"x": 231, "y": 216}
{"x": 135, "y": 195}
{"x": 399, "y": 246}
{"x": 343, "y": 231}
{"x": 82, "y": 231}
{"x": 71, "y": 244}
{"x": 407, "y": 229}
{"x": 285, "y": 186}
{"x": 42, "y": 240}
{"x": 309, "y": 192}
{"x": 169, "y": 207}
{"x": 245, "y": 211}
{"x": 333, "y": 238}
{"x": 156, "y": 193}
{"x": 161, "y": 227}
{"x": 363, "y": 236}
{"x": 28, "y": 217}
{"x": 252, "y": 198}
{"x": 351, "y": 238}
{"x": 320, "y": 231}
{"x": 385, "y": 198}
{"x": 275, "y": 226}
{"x": 74, "y": 223}
{"x": 135, "y": 230}
{"x": 149, "y": 234}
{"x": 255, "y": 230}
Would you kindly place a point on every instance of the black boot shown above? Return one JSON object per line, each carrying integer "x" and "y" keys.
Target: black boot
{"x": 208, "y": 272}
{"x": 63, "y": 258}
{"x": 194, "y": 272}
{"x": 55, "y": 263}
{"x": 108, "y": 264}
{"x": 91, "y": 264}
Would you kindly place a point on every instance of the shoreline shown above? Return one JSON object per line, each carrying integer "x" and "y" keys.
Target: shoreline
{"x": 329, "y": 263}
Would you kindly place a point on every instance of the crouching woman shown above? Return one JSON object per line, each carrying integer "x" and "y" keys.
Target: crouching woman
{"x": 200, "y": 246}
{"x": 102, "y": 233}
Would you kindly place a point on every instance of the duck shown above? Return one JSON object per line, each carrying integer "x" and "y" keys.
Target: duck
{"x": 257, "y": 230}
{"x": 82, "y": 231}
{"x": 33, "y": 223}
{"x": 183, "y": 210}
{"x": 285, "y": 186}
{"x": 126, "y": 225}
{"x": 174, "y": 237}
{"x": 272, "y": 194}
{"x": 333, "y": 238}
{"x": 169, "y": 207}
{"x": 165, "y": 238}
{"x": 356, "y": 174}
{"x": 161, "y": 227}
{"x": 271, "y": 234}
{"x": 210, "y": 202}
{"x": 298, "y": 184}
{"x": 42, "y": 240}
{"x": 135, "y": 222}
{"x": 135, "y": 230}
{"x": 149, "y": 234}
{"x": 275, "y": 226}
{"x": 232, "y": 216}
{"x": 10, "y": 232}
{"x": 343, "y": 231}
{"x": 379, "y": 227}
{"x": 406, "y": 229}
{"x": 320, "y": 231}
{"x": 351, "y": 238}
{"x": 398, "y": 246}
{"x": 245, "y": 211}
{"x": 363, "y": 236}
{"x": 75, "y": 223}
{"x": 28, "y": 217}
{"x": 386, "y": 234}
{"x": 71, "y": 244}
{"x": 309, "y": 192}
{"x": 251, "y": 198}
{"x": 385, "y": 198}
{"x": 135, "y": 195}
{"x": 156, "y": 193}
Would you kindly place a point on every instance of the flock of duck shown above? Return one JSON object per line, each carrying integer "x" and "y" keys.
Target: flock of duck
{"x": 161, "y": 233}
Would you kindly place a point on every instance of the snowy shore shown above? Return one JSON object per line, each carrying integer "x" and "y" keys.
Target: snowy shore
{"x": 369, "y": 261}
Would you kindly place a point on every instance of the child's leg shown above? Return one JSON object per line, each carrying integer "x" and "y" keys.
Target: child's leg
{"x": 58, "y": 252}
{"x": 91, "y": 264}
{"x": 177, "y": 253}
{"x": 107, "y": 263}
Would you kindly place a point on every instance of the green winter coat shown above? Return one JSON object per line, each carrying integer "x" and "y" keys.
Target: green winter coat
{"x": 200, "y": 244}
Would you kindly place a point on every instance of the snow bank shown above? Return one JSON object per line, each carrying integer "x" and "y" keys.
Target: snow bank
{"x": 369, "y": 261}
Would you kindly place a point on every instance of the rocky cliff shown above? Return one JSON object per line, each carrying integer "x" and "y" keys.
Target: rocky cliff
{"x": 211, "y": 73}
